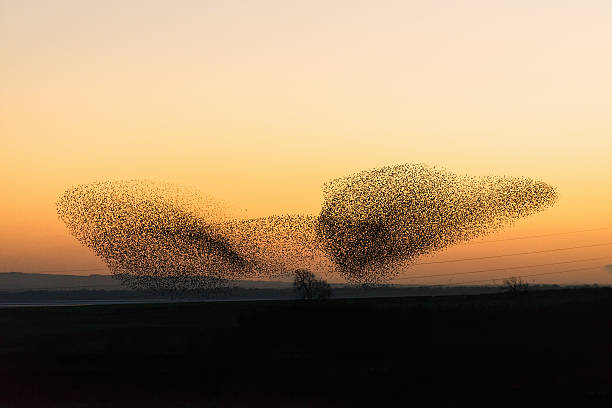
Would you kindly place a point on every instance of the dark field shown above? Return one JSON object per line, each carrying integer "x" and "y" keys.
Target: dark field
{"x": 541, "y": 348}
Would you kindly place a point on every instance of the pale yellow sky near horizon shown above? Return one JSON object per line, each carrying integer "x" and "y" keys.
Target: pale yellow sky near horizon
{"x": 258, "y": 103}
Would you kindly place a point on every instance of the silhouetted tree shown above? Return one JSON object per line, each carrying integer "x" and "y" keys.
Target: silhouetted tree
{"x": 516, "y": 285}
{"x": 307, "y": 286}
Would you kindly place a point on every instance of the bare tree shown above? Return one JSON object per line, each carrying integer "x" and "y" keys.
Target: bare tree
{"x": 516, "y": 285}
{"x": 307, "y": 286}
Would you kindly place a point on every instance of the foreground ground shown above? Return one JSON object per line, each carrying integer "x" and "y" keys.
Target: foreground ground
{"x": 541, "y": 348}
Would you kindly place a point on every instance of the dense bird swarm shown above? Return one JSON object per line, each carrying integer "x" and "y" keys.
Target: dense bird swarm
{"x": 373, "y": 220}
{"x": 159, "y": 236}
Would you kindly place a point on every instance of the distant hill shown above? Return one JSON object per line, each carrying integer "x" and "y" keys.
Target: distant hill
{"x": 20, "y": 285}
{"x": 19, "y": 281}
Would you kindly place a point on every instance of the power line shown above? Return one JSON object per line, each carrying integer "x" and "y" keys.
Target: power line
{"x": 523, "y": 276}
{"x": 502, "y": 269}
{"x": 514, "y": 254}
{"x": 424, "y": 263}
{"x": 537, "y": 236}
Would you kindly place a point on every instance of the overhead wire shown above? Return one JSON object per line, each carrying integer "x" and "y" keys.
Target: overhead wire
{"x": 514, "y": 254}
{"x": 520, "y": 276}
{"x": 536, "y": 236}
{"x": 501, "y": 269}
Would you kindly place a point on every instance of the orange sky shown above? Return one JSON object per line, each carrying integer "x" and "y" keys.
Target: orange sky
{"x": 259, "y": 103}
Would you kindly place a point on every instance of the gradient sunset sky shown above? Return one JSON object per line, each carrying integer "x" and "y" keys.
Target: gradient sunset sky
{"x": 258, "y": 103}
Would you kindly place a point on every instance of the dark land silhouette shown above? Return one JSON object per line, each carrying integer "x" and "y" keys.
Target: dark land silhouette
{"x": 33, "y": 288}
{"x": 532, "y": 348}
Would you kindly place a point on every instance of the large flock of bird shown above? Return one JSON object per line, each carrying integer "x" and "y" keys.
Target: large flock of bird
{"x": 159, "y": 236}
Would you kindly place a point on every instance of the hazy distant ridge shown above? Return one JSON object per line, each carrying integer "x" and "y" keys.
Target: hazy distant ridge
{"x": 18, "y": 281}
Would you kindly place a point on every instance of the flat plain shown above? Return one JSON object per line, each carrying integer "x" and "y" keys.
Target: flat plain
{"x": 544, "y": 348}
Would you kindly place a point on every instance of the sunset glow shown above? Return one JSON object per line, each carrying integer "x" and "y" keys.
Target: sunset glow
{"x": 258, "y": 104}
